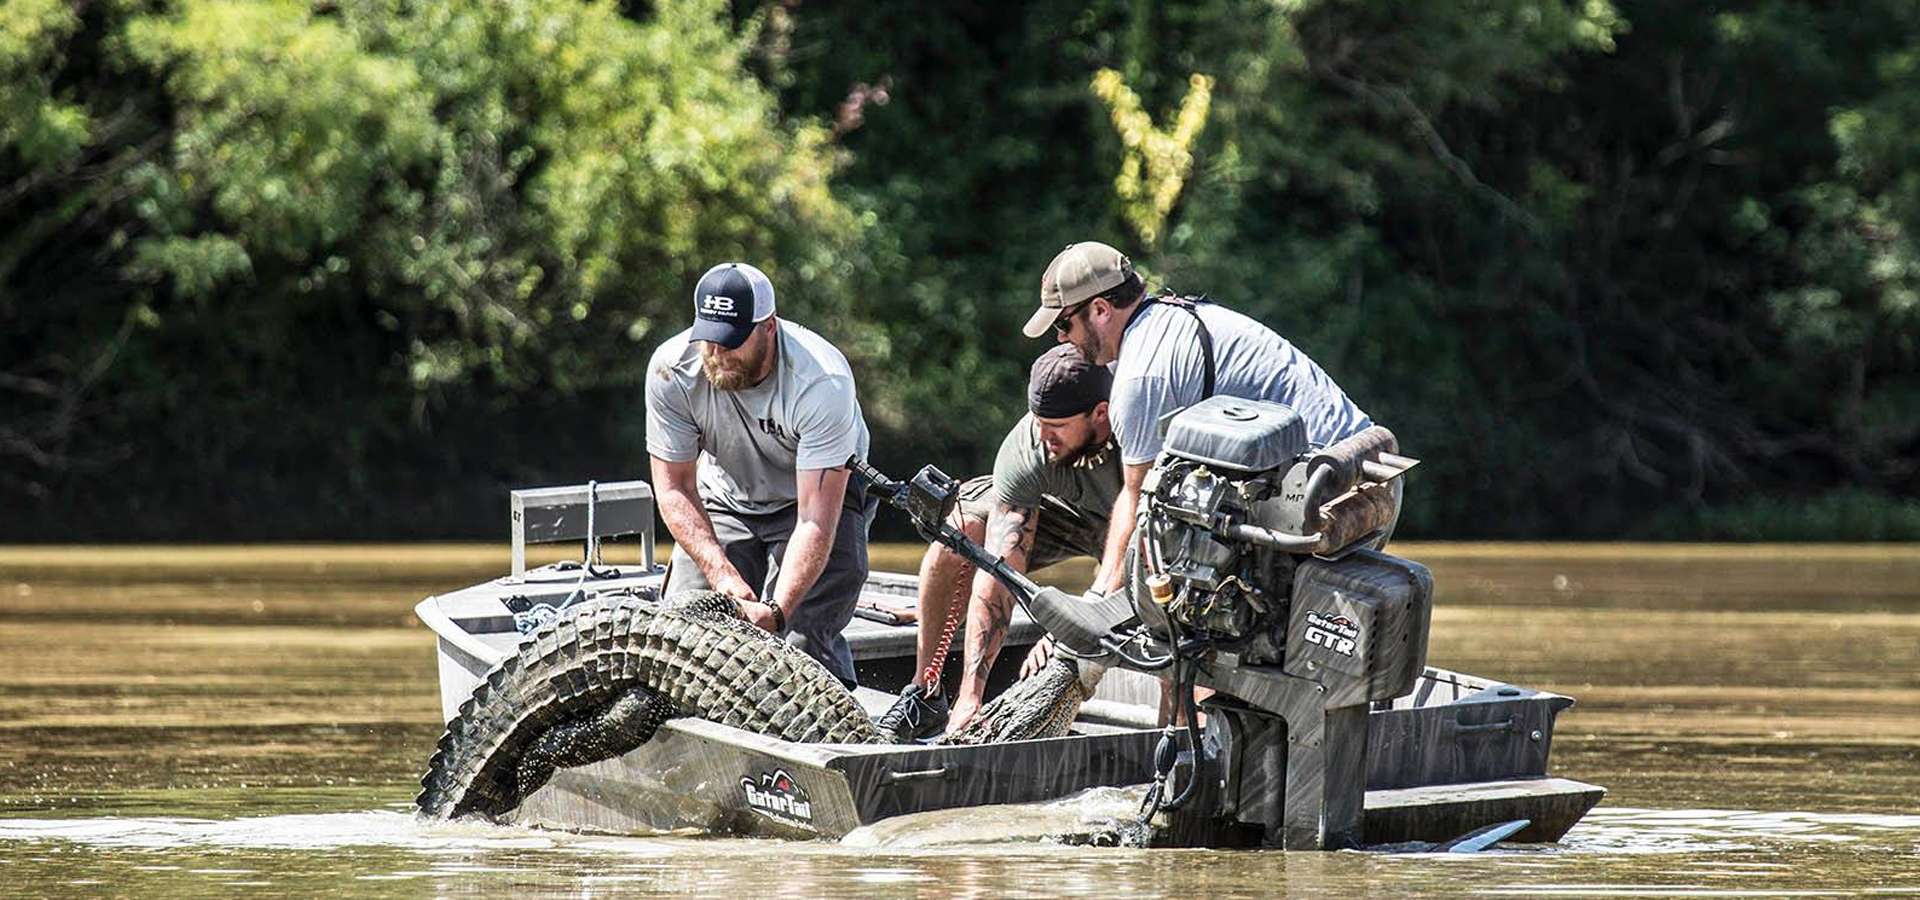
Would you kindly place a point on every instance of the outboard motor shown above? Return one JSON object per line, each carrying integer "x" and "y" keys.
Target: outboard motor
{"x": 1256, "y": 573}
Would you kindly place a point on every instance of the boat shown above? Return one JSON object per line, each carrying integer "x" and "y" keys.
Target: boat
{"x": 1455, "y": 755}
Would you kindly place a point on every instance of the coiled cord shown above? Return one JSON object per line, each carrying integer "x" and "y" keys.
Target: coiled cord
{"x": 930, "y": 679}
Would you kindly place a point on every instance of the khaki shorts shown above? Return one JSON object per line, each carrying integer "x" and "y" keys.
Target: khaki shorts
{"x": 1063, "y": 533}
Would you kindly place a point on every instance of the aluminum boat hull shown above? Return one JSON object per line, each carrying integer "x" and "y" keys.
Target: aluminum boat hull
{"x": 1457, "y": 754}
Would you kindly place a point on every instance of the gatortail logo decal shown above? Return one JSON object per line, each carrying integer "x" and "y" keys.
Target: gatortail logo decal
{"x": 1336, "y": 633}
{"x": 778, "y": 797}
{"x": 529, "y": 614}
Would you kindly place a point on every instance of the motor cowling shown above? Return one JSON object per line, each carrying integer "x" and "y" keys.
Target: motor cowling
{"x": 1236, "y": 500}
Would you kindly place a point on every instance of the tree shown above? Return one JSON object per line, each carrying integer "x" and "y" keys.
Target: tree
{"x": 372, "y": 214}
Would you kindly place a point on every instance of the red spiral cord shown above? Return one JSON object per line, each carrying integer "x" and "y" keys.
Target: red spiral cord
{"x": 930, "y": 679}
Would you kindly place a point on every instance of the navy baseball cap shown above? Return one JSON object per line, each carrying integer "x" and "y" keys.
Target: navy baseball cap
{"x": 729, "y": 300}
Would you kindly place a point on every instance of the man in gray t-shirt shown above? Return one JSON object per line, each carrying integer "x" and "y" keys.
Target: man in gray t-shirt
{"x": 750, "y": 423}
{"x": 1091, "y": 297}
{"x": 1053, "y": 482}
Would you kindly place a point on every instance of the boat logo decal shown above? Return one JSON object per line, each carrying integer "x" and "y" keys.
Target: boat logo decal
{"x": 529, "y": 614}
{"x": 1336, "y": 633}
{"x": 778, "y": 797}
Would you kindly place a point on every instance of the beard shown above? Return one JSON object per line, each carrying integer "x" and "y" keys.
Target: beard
{"x": 1087, "y": 451}
{"x": 1089, "y": 344}
{"x": 733, "y": 371}
{"x": 723, "y": 375}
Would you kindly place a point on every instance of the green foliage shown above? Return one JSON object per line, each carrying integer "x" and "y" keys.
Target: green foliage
{"x": 1848, "y": 513}
{"x": 34, "y": 122}
{"x": 383, "y": 213}
{"x": 285, "y": 127}
{"x": 1575, "y": 262}
{"x": 1610, "y": 268}
{"x": 490, "y": 175}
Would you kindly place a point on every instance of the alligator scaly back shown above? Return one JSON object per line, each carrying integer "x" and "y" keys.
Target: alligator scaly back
{"x": 1041, "y": 705}
{"x": 595, "y": 683}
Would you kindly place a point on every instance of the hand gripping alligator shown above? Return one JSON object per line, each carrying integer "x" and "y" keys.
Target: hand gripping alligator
{"x": 1253, "y": 573}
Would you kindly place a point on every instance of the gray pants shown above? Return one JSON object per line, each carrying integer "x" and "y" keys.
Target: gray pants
{"x": 755, "y": 544}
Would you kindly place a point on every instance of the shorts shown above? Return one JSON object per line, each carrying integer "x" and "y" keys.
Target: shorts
{"x": 1062, "y": 533}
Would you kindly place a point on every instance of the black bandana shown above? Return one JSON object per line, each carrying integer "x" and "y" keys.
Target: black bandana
{"x": 1064, "y": 384}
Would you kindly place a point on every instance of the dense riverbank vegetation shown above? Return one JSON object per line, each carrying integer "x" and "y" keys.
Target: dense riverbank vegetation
{"x": 350, "y": 269}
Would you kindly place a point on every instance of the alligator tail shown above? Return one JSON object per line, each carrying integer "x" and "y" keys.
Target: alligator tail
{"x": 597, "y": 683}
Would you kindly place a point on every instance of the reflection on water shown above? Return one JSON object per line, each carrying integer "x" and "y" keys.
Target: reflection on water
{"x": 194, "y": 721}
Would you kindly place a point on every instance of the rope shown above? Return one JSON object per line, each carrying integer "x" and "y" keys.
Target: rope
{"x": 586, "y": 554}
{"x": 930, "y": 679}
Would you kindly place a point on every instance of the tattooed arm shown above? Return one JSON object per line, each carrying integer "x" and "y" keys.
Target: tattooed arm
{"x": 1010, "y": 531}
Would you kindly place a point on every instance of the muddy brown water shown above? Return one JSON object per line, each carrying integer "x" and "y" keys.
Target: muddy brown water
{"x": 251, "y": 721}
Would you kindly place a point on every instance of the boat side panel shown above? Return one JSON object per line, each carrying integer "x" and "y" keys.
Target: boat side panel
{"x": 702, "y": 776}
{"x": 938, "y": 777}
{"x": 1441, "y": 813}
{"x": 1461, "y": 742}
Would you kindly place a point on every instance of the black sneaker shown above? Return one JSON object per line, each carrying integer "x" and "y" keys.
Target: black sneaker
{"x": 914, "y": 716}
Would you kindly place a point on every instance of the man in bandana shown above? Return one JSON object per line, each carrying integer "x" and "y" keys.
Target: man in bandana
{"x": 1053, "y": 484}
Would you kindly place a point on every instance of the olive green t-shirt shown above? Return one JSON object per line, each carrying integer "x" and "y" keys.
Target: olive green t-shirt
{"x": 1082, "y": 491}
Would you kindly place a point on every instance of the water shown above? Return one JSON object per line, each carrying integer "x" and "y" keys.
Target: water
{"x": 250, "y": 721}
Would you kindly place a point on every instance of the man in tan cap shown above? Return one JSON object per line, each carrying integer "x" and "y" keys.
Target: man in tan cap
{"x": 1168, "y": 353}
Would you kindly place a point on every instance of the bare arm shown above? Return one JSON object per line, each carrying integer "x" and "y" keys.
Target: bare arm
{"x": 821, "y": 493}
{"x": 1010, "y": 531}
{"x": 1113, "y": 563}
{"x": 675, "y": 487}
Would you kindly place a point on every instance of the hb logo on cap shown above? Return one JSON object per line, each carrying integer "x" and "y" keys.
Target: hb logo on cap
{"x": 729, "y": 300}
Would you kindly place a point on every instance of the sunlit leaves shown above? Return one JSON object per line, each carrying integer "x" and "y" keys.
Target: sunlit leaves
{"x": 498, "y": 174}
{"x": 286, "y": 124}
{"x": 195, "y": 265}
{"x": 34, "y": 121}
{"x": 1157, "y": 160}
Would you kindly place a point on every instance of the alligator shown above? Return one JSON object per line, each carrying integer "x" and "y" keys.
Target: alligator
{"x": 1042, "y": 704}
{"x": 600, "y": 679}
{"x": 596, "y": 682}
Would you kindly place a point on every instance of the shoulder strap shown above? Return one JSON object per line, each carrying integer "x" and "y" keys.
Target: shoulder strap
{"x": 1191, "y": 304}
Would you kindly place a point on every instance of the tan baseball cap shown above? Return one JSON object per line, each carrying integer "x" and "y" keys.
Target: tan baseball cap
{"x": 1077, "y": 274}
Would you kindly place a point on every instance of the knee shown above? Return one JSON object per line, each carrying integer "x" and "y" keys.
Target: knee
{"x": 944, "y": 557}
{"x": 974, "y": 527}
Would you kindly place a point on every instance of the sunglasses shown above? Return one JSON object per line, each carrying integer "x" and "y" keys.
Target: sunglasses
{"x": 1064, "y": 322}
